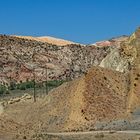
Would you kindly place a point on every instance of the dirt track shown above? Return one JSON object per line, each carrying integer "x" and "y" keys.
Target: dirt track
{"x": 93, "y": 132}
{"x": 94, "y": 135}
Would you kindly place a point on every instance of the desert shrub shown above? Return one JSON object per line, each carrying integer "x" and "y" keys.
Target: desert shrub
{"x": 29, "y": 84}
{"x": 51, "y": 83}
{"x": 25, "y": 85}
{"x": 12, "y": 85}
{"x": 22, "y": 86}
{"x": 18, "y": 86}
{"x": 2, "y": 89}
{"x": 39, "y": 85}
{"x": 7, "y": 92}
{"x": 55, "y": 83}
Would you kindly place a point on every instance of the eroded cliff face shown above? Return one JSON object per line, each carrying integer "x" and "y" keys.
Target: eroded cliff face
{"x": 134, "y": 48}
{"x": 116, "y": 61}
{"x": 20, "y": 57}
{"x": 126, "y": 59}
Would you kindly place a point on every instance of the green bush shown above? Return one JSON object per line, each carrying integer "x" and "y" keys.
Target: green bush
{"x": 39, "y": 85}
{"x": 55, "y": 83}
{"x": 29, "y": 84}
{"x": 22, "y": 86}
{"x": 12, "y": 86}
{"x": 25, "y": 85}
{"x": 17, "y": 86}
{"x": 7, "y": 92}
{"x": 2, "y": 89}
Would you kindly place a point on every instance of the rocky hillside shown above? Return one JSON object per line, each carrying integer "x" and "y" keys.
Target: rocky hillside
{"x": 127, "y": 59}
{"x": 21, "y": 57}
{"x": 102, "y": 98}
{"x": 99, "y": 95}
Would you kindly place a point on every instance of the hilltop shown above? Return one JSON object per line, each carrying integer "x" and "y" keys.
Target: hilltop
{"x": 48, "y": 39}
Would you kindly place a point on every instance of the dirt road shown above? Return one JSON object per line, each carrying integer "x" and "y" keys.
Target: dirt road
{"x": 92, "y": 135}
{"x": 96, "y": 135}
{"x": 95, "y": 132}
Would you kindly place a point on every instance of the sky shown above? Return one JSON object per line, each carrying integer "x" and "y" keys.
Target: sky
{"x": 82, "y": 21}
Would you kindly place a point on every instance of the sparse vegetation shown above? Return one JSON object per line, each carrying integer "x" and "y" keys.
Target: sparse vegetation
{"x": 25, "y": 85}
{"x": 12, "y": 85}
{"x": 55, "y": 83}
{"x": 29, "y": 85}
{"x": 2, "y": 89}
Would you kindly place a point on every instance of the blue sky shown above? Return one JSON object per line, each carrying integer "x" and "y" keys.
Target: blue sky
{"x": 83, "y": 21}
